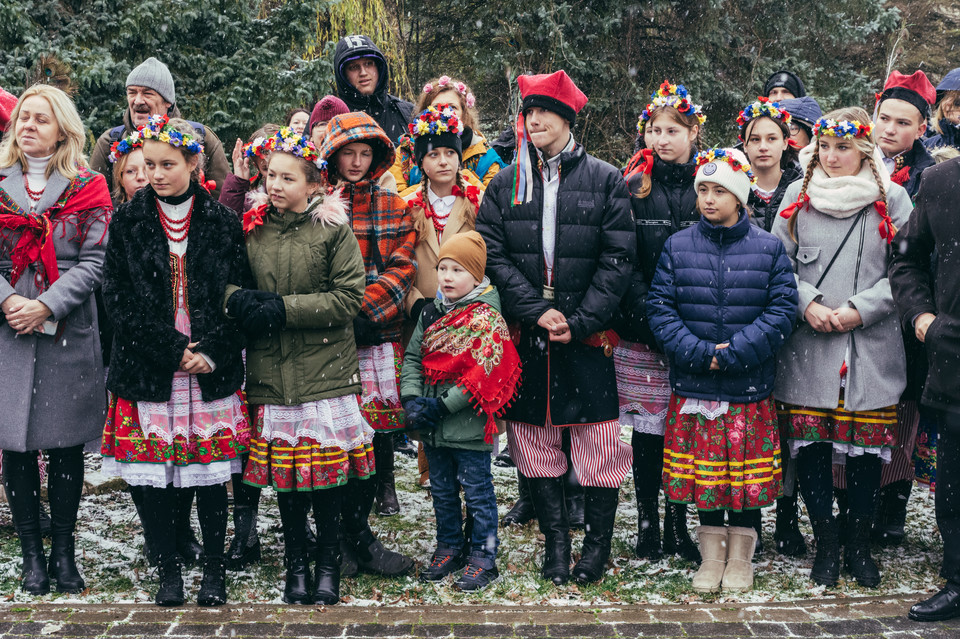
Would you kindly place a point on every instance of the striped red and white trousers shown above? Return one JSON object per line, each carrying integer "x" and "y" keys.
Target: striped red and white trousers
{"x": 600, "y": 458}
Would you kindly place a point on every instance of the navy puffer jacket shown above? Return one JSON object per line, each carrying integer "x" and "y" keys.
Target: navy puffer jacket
{"x": 718, "y": 285}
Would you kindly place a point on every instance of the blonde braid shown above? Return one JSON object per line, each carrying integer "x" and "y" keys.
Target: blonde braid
{"x": 792, "y": 223}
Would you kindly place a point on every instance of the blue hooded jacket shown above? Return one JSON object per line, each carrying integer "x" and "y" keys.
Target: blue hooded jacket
{"x": 714, "y": 285}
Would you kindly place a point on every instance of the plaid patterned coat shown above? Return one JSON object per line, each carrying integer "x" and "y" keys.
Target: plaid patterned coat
{"x": 381, "y": 222}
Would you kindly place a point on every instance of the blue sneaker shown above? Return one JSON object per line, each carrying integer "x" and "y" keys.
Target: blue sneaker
{"x": 480, "y": 573}
{"x": 444, "y": 562}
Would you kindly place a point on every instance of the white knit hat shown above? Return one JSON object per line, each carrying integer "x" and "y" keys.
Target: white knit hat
{"x": 727, "y": 167}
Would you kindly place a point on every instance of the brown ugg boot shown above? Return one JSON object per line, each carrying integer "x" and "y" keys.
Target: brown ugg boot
{"x": 738, "y": 574}
{"x": 713, "y": 553}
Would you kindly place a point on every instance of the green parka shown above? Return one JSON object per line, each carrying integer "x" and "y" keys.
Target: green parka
{"x": 463, "y": 427}
{"x": 313, "y": 261}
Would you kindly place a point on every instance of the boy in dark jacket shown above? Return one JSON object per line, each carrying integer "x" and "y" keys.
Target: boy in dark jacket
{"x": 461, "y": 356}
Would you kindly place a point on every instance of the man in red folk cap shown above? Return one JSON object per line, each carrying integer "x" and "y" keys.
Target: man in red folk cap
{"x": 560, "y": 241}
{"x": 900, "y": 122}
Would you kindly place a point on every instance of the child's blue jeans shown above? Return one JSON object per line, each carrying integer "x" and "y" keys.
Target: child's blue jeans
{"x": 471, "y": 468}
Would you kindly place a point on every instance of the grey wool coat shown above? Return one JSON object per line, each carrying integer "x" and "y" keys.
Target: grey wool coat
{"x": 808, "y": 369}
{"x": 54, "y": 393}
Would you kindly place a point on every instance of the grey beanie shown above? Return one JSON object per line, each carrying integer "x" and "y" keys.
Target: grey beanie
{"x": 155, "y": 75}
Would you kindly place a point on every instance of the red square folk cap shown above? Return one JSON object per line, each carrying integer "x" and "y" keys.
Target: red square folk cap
{"x": 554, "y": 92}
{"x": 915, "y": 89}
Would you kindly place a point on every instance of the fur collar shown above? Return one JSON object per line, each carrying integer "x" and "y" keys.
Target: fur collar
{"x": 842, "y": 197}
{"x": 329, "y": 209}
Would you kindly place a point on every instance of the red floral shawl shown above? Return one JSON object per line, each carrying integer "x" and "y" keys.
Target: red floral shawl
{"x": 471, "y": 346}
{"x": 84, "y": 198}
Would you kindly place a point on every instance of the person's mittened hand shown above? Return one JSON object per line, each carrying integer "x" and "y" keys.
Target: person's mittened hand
{"x": 242, "y": 303}
{"x": 432, "y": 413}
{"x": 365, "y": 332}
{"x": 270, "y": 316}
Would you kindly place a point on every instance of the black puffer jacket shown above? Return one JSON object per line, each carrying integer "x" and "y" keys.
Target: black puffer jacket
{"x": 147, "y": 348}
{"x": 670, "y": 207}
{"x": 391, "y": 113}
{"x": 574, "y": 383}
{"x": 763, "y": 213}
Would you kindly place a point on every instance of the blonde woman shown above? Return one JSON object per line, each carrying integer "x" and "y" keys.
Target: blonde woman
{"x": 53, "y": 229}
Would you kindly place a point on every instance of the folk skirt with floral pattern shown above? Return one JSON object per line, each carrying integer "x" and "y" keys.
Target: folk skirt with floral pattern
{"x": 380, "y": 378}
{"x": 728, "y": 463}
{"x": 310, "y": 446}
{"x": 851, "y": 433}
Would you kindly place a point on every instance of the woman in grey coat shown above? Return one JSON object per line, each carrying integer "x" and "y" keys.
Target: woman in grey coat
{"x": 841, "y": 373}
{"x": 54, "y": 214}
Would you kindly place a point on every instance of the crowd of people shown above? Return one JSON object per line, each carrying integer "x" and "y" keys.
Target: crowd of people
{"x": 771, "y": 320}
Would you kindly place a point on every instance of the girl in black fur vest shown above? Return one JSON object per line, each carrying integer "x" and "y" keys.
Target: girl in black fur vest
{"x": 177, "y": 417}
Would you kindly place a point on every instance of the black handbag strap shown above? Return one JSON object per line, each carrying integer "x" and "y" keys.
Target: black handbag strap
{"x": 840, "y": 248}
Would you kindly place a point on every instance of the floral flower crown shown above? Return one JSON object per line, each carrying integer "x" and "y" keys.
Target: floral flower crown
{"x": 762, "y": 107}
{"x": 721, "y": 155}
{"x": 445, "y": 83}
{"x": 439, "y": 118}
{"x": 158, "y": 128}
{"x": 672, "y": 95}
{"x": 124, "y": 146}
{"x": 288, "y": 141}
{"x": 256, "y": 149}
{"x": 842, "y": 128}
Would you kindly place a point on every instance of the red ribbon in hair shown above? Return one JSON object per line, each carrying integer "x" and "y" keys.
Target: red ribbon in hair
{"x": 254, "y": 218}
{"x": 642, "y": 162}
{"x": 887, "y": 229}
{"x": 208, "y": 185}
{"x": 788, "y": 211}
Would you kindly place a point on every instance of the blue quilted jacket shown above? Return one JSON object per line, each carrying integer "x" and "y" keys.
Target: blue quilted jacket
{"x": 716, "y": 285}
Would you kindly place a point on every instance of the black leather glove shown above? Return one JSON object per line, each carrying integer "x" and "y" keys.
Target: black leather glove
{"x": 425, "y": 413}
{"x": 269, "y": 316}
{"x": 242, "y": 303}
{"x": 366, "y": 332}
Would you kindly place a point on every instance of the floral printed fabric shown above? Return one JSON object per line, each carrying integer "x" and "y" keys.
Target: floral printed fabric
{"x": 728, "y": 463}
{"x": 305, "y": 466}
{"x": 380, "y": 378}
{"x": 851, "y": 433}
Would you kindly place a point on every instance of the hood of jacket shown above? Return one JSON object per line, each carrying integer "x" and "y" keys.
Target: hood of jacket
{"x": 359, "y": 127}
{"x": 950, "y": 82}
{"x": 350, "y": 48}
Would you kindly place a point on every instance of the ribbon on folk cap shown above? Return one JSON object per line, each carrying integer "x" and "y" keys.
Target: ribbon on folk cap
{"x": 523, "y": 173}
{"x": 887, "y": 228}
{"x": 789, "y": 210}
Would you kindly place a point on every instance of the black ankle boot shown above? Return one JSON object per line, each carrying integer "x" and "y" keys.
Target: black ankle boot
{"x": 522, "y": 510}
{"x": 648, "y": 530}
{"x": 326, "y": 590}
{"x": 856, "y": 555}
{"x": 373, "y": 557}
{"x": 245, "y": 547}
{"x": 547, "y": 496}
{"x": 34, "y": 566}
{"x": 63, "y": 564}
{"x": 170, "y": 592}
{"x": 600, "y": 511}
{"x": 296, "y": 590}
{"x": 676, "y": 536}
{"x": 891, "y": 518}
{"x": 213, "y": 587}
{"x": 787, "y": 535}
{"x": 826, "y": 563}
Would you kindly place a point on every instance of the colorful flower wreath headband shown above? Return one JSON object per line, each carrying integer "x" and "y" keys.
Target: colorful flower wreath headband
{"x": 671, "y": 95}
{"x": 445, "y": 83}
{"x": 158, "y": 128}
{"x": 842, "y": 128}
{"x": 762, "y": 107}
{"x": 257, "y": 148}
{"x": 720, "y": 155}
{"x": 288, "y": 141}
{"x": 124, "y": 146}
{"x": 439, "y": 118}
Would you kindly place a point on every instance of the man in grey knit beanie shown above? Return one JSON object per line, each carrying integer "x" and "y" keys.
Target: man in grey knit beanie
{"x": 151, "y": 91}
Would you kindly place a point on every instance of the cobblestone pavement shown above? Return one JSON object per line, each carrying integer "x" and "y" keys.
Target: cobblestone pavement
{"x": 872, "y": 617}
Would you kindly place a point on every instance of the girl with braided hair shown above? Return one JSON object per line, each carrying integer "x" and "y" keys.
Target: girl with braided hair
{"x": 841, "y": 373}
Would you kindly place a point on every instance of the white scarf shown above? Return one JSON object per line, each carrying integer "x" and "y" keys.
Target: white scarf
{"x": 843, "y": 197}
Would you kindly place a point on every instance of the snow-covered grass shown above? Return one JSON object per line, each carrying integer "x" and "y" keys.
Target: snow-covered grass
{"x": 111, "y": 559}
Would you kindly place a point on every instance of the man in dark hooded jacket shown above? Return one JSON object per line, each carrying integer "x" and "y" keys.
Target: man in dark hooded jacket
{"x": 362, "y": 79}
